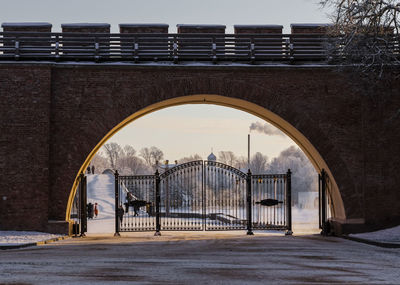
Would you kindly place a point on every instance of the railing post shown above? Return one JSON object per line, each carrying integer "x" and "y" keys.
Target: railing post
{"x": 136, "y": 51}
{"x": 57, "y": 48}
{"x": 16, "y": 51}
{"x": 289, "y": 202}
{"x": 214, "y": 51}
{"x": 117, "y": 225}
{"x": 252, "y": 51}
{"x": 324, "y": 231}
{"x": 158, "y": 224}
{"x": 249, "y": 210}
{"x": 96, "y": 49}
{"x": 175, "y": 50}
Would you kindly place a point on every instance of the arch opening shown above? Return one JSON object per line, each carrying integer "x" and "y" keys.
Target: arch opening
{"x": 302, "y": 142}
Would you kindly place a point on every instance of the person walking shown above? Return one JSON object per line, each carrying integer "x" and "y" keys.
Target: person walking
{"x": 92, "y": 169}
{"x": 90, "y": 210}
{"x": 120, "y": 213}
{"x": 96, "y": 210}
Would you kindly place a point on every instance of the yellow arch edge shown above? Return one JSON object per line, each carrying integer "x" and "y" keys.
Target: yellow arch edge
{"x": 235, "y": 103}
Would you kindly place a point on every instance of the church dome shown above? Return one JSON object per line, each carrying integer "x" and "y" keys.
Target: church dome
{"x": 212, "y": 157}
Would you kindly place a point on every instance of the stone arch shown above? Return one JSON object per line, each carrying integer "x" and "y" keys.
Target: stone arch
{"x": 301, "y": 140}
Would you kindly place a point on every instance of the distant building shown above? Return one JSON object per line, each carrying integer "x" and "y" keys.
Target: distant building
{"x": 212, "y": 157}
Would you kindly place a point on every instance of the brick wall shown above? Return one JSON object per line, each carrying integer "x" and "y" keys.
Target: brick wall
{"x": 355, "y": 134}
{"x": 24, "y": 146}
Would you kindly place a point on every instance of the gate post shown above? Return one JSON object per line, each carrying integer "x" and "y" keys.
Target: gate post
{"x": 248, "y": 190}
{"x": 117, "y": 226}
{"x": 158, "y": 224}
{"x": 289, "y": 202}
{"x": 83, "y": 200}
{"x": 322, "y": 199}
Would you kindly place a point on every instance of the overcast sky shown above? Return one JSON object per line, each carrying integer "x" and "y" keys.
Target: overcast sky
{"x": 172, "y": 12}
{"x": 185, "y": 130}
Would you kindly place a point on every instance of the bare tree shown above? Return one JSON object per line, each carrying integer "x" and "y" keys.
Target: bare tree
{"x": 113, "y": 152}
{"x": 100, "y": 162}
{"x": 146, "y": 154}
{"x": 365, "y": 32}
{"x": 242, "y": 163}
{"x": 227, "y": 157}
{"x": 258, "y": 163}
{"x": 190, "y": 158}
{"x": 129, "y": 151}
{"x": 151, "y": 155}
{"x": 156, "y": 154}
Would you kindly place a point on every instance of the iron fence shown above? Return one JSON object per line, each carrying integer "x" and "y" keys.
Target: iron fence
{"x": 175, "y": 48}
{"x": 203, "y": 195}
{"x": 136, "y": 201}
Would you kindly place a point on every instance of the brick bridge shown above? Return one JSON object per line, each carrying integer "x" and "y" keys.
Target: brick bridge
{"x": 62, "y": 96}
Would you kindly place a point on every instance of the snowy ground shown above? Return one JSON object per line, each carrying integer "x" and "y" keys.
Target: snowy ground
{"x": 391, "y": 235}
{"x": 101, "y": 190}
{"x": 9, "y": 238}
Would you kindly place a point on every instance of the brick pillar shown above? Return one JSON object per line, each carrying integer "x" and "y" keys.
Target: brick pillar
{"x": 82, "y": 45}
{"x": 206, "y": 47}
{"x": 26, "y": 48}
{"x": 144, "y": 41}
{"x": 308, "y": 41}
{"x": 267, "y": 45}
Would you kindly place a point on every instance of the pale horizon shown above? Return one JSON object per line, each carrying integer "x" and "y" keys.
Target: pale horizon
{"x": 190, "y": 129}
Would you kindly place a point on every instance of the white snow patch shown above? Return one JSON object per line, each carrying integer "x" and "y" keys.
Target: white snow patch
{"x": 8, "y": 238}
{"x": 101, "y": 190}
{"x": 391, "y": 235}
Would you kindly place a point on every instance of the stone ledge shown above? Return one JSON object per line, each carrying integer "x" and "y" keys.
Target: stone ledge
{"x": 59, "y": 227}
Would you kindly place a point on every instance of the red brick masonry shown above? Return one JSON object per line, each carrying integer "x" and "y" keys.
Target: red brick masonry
{"x": 53, "y": 115}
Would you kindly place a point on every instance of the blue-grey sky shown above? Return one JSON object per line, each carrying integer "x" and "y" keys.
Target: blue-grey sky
{"x": 185, "y": 130}
{"x": 172, "y": 12}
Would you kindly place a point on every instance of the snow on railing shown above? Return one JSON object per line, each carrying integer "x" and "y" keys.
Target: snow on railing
{"x": 162, "y": 47}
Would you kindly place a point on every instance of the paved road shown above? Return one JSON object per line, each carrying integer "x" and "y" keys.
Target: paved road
{"x": 201, "y": 258}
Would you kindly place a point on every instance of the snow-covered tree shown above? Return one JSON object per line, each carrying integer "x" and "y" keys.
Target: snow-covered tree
{"x": 113, "y": 152}
{"x": 151, "y": 155}
{"x": 258, "y": 163}
{"x": 227, "y": 157}
{"x": 304, "y": 175}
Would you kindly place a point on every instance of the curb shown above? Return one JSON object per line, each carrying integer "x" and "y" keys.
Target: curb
{"x": 17, "y": 246}
{"x": 372, "y": 242}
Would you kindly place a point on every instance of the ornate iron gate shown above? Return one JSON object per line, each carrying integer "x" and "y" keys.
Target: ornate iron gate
{"x": 135, "y": 203}
{"x": 203, "y": 195}
{"x": 225, "y": 197}
{"x": 181, "y": 197}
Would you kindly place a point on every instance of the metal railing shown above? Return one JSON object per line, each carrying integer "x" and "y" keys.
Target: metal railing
{"x": 175, "y": 48}
{"x": 203, "y": 195}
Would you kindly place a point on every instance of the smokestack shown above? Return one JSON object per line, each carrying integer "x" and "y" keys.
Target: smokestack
{"x": 248, "y": 151}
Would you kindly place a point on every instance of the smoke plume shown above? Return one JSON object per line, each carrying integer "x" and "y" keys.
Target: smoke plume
{"x": 266, "y": 129}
